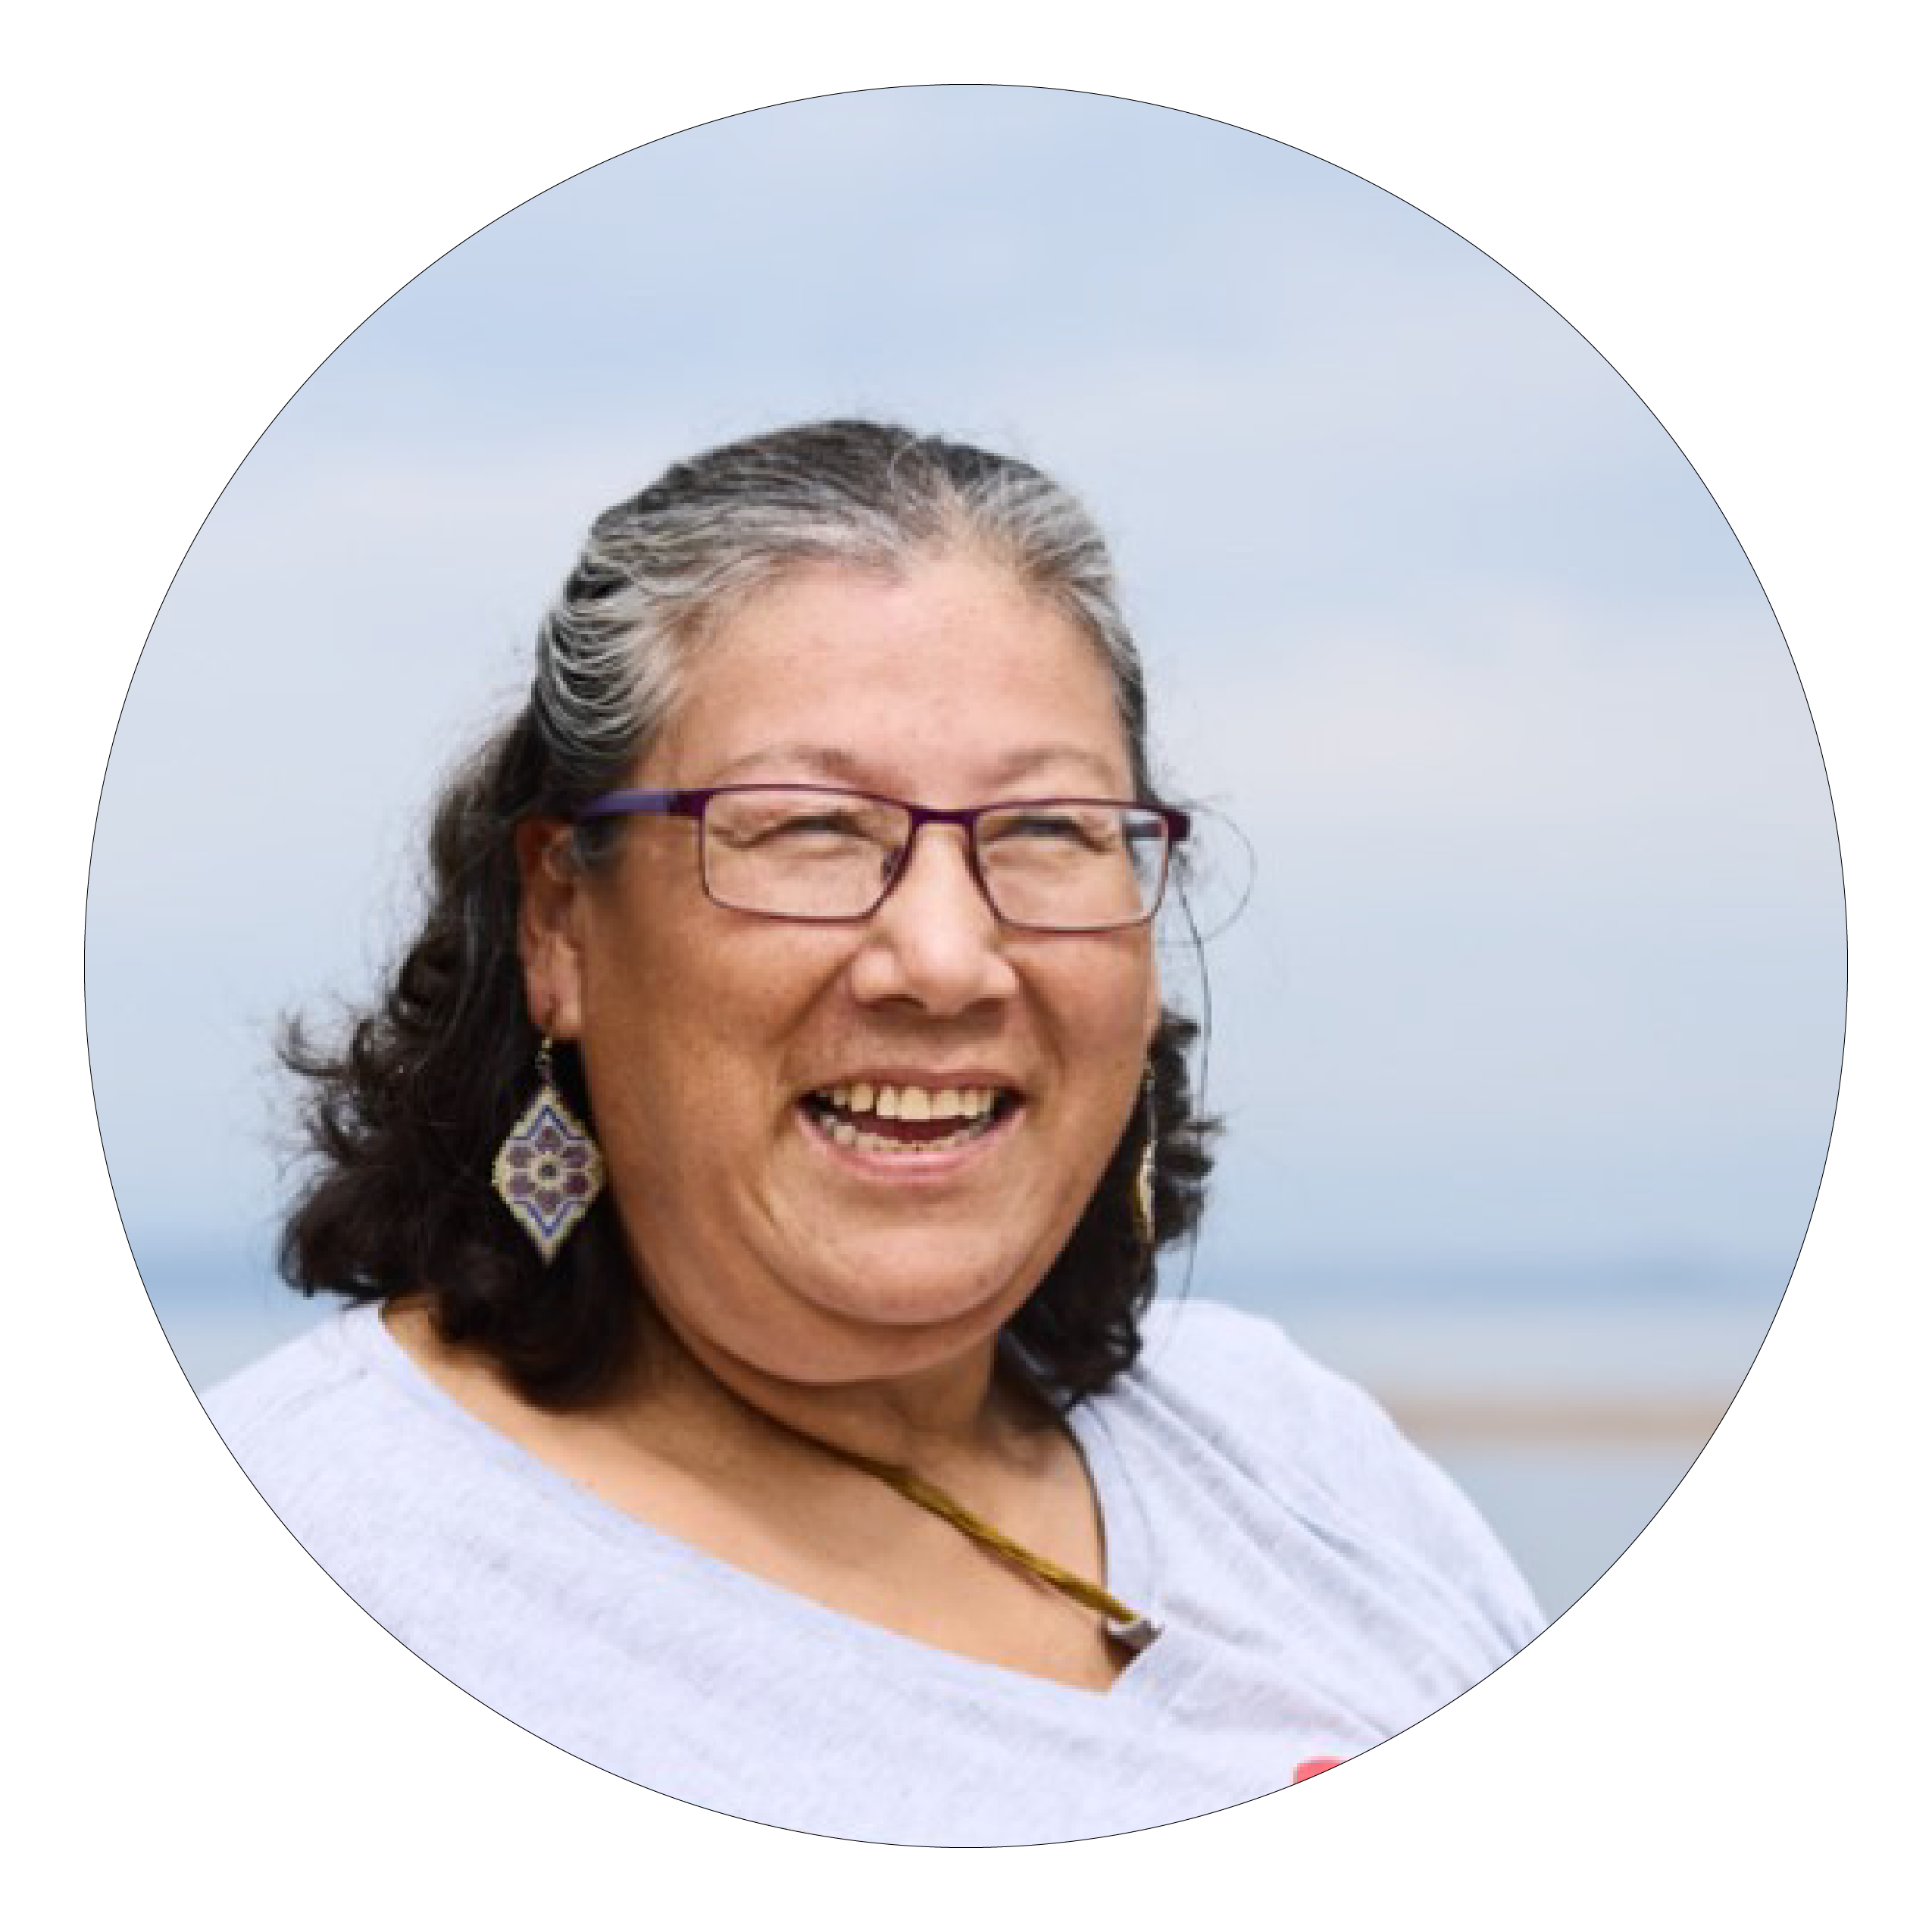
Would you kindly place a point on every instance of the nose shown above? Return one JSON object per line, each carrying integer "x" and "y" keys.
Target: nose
{"x": 936, "y": 940}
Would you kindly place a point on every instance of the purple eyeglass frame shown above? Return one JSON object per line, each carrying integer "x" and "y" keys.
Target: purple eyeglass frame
{"x": 692, "y": 803}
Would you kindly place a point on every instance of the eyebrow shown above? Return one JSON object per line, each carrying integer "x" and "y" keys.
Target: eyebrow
{"x": 831, "y": 761}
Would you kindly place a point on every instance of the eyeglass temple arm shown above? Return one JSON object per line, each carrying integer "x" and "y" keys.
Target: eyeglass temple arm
{"x": 615, "y": 804}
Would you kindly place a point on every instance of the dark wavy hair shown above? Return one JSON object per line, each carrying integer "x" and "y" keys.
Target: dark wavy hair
{"x": 405, "y": 1109}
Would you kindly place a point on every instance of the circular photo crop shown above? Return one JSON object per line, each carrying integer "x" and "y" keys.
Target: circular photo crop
{"x": 965, "y": 965}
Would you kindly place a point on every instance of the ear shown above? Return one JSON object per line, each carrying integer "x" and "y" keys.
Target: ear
{"x": 550, "y": 917}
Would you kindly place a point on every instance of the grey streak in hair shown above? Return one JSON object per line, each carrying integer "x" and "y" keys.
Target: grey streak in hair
{"x": 658, "y": 571}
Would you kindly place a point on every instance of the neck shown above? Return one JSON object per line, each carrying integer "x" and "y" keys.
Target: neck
{"x": 951, "y": 1415}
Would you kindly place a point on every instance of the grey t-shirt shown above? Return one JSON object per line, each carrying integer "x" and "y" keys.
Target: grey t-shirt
{"x": 1318, "y": 1585}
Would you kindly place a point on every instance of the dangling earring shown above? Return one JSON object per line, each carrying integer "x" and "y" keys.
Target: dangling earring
{"x": 547, "y": 1171}
{"x": 1141, "y": 1196}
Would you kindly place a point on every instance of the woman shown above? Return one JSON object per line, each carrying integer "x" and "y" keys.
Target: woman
{"x": 750, "y": 1188}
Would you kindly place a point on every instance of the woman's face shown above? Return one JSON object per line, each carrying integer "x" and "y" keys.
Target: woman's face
{"x": 710, "y": 1037}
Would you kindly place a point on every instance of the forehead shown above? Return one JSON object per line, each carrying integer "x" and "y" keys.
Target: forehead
{"x": 949, "y": 671}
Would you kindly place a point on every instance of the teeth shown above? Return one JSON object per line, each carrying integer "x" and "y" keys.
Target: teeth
{"x": 846, "y": 1135}
{"x": 911, "y": 1103}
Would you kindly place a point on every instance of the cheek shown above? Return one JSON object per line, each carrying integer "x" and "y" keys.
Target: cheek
{"x": 1135, "y": 1009}
{"x": 1108, "y": 1014}
{"x": 703, "y": 1018}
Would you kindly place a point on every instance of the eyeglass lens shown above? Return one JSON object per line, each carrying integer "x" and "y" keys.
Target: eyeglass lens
{"x": 1067, "y": 865}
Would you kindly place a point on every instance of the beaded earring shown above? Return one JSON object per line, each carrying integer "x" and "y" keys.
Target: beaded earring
{"x": 549, "y": 1170}
{"x": 1141, "y": 1196}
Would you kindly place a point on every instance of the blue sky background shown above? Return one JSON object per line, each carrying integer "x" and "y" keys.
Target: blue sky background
{"x": 1540, "y": 989}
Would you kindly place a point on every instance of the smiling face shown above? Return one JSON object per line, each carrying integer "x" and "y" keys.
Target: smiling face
{"x": 713, "y": 1040}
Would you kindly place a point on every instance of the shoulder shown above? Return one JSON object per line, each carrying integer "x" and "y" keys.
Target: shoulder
{"x": 311, "y": 1413}
{"x": 301, "y": 1378}
{"x": 1246, "y": 1372}
{"x": 1214, "y": 1379}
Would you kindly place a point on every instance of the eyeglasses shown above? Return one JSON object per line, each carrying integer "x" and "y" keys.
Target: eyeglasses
{"x": 812, "y": 852}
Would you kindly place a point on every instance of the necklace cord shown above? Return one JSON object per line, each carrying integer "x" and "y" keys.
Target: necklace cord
{"x": 929, "y": 1496}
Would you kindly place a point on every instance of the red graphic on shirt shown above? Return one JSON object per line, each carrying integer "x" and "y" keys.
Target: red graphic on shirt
{"x": 1313, "y": 1767}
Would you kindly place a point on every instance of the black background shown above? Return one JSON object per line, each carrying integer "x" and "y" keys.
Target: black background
{"x": 157, "y": 313}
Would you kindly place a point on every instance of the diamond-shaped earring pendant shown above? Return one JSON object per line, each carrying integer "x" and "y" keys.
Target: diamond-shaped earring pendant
{"x": 547, "y": 1171}
{"x": 1141, "y": 1197}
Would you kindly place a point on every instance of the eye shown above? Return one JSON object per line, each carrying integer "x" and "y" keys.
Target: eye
{"x": 793, "y": 828}
{"x": 813, "y": 824}
{"x": 1079, "y": 831}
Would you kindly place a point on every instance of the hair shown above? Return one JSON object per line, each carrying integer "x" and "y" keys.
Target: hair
{"x": 403, "y": 1112}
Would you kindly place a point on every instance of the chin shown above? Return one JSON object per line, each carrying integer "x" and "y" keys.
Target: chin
{"x": 896, "y": 1289}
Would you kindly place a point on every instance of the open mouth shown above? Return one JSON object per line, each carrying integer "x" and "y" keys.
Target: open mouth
{"x": 882, "y": 1119}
